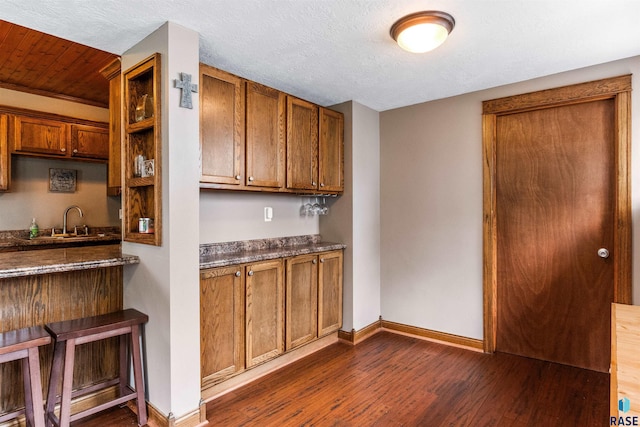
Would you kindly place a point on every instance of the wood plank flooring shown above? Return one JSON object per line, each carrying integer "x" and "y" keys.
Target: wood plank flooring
{"x": 393, "y": 380}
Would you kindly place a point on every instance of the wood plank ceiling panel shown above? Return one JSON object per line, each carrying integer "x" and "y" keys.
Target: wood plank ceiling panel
{"x": 34, "y": 62}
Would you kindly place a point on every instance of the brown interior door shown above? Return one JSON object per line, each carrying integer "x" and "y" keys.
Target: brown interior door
{"x": 555, "y": 208}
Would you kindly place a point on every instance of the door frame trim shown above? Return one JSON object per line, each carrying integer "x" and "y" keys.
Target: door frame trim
{"x": 616, "y": 88}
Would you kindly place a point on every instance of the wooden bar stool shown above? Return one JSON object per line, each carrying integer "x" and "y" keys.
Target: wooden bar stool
{"x": 70, "y": 333}
{"x": 23, "y": 344}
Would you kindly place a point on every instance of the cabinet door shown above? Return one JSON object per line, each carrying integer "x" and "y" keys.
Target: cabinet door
{"x": 222, "y": 111}
{"x": 302, "y": 300}
{"x": 40, "y": 136}
{"x": 265, "y": 136}
{"x": 329, "y": 292}
{"x": 5, "y": 157}
{"x": 331, "y": 151}
{"x": 302, "y": 144}
{"x": 221, "y": 323}
{"x": 264, "y": 311}
{"x": 89, "y": 142}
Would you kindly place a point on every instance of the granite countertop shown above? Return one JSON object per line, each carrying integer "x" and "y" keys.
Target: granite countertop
{"x": 44, "y": 261}
{"x": 18, "y": 240}
{"x": 247, "y": 251}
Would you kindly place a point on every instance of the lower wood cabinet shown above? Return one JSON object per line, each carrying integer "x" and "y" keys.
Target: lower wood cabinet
{"x": 302, "y": 300}
{"x": 252, "y": 313}
{"x": 329, "y": 292}
{"x": 264, "y": 303}
{"x": 221, "y": 323}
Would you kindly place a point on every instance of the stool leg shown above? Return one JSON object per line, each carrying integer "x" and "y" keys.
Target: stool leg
{"x": 67, "y": 383}
{"x": 137, "y": 373}
{"x": 124, "y": 364}
{"x": 54, "y": 381}
{"x": 28, "y": 397}
{"x": 35, "y": 385}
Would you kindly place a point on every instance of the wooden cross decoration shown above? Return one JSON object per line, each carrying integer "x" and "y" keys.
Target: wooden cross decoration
{"x": 187, "y": 87}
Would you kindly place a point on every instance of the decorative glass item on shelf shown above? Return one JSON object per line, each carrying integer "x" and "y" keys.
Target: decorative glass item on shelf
{"x": 144, "y": 109}
{"x": 312, "y": 209}
{"x": 138, "y": 166}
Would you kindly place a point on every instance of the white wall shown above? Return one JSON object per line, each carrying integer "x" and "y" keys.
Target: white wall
{"x": 229, "y": 216}
{"x": 165, "y": 284}
{"x": 30, "y": 197}
{"x": 431, "y": 210}
{"x": 354, "y": 218}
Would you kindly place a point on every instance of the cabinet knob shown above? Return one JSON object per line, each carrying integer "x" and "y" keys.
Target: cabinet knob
{"x": 237, "y": 274}
{"x": 322, "y": 184}
{"x": 250, "y": 178}
{"x": 238, "y": 177}
{"x": 321, "y": 259}
{"x": 250, "y": 273}
{"x": 313, "y": 183}
{"x": 314, "y": 261}
{"x": 63, "y": 149}
{"x": 75, "y": 150}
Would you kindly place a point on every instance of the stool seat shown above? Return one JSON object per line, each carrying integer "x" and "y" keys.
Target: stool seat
{"x": 23, "y": 344}
{"x": 103, "y": 324}
{"x": 124, "y": 324}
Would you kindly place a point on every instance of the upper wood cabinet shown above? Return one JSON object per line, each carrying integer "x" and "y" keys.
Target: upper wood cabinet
{"x": 40, "y": 136}
{"x": 112, "y": 73}
{"x": 89, "y": 142}
{"x": 222, "y": 112}
{"x": 63, "y": 138}
{"x": 221, "y": 323}
{"x": 265, "y": 133}
{"x": 257, "y": 138}
{"x": 5, "y": 157}
{"x": 331, "y": 151}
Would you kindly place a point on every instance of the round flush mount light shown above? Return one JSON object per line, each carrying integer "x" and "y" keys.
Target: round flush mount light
{"x": 422, "y": 31}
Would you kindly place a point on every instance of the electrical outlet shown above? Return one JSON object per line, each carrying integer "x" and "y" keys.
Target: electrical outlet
{"x": 120, "y": 213}
{"x": 268, "y": 214}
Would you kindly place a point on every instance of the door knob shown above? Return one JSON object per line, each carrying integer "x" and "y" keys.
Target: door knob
{"x": 603, "y": 253}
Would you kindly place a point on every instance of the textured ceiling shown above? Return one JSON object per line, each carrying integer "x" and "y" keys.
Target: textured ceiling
{"x": 330, "y": 51}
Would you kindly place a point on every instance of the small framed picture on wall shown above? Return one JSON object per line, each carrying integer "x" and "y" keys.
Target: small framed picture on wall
{"x": 62, "y": 180}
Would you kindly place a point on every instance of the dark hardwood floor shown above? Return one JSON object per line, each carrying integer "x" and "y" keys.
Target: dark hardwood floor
{"x": 393, "y": 380}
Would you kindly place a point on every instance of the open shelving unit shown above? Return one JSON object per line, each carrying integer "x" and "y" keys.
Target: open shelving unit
{"x": 142, "y": 194}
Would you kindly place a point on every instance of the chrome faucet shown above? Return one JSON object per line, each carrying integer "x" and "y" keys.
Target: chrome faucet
{"x": 64, "y": 217}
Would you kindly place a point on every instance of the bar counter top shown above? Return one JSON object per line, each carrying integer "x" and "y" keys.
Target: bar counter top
{"x": 248, "y": 251}
{"x": 29, "y": 263}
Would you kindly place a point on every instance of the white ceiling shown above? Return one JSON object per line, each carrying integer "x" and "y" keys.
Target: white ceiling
{"x": 330, "y": 51}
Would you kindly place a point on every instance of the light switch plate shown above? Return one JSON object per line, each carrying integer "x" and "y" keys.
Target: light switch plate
{"x": 268, "y": 214}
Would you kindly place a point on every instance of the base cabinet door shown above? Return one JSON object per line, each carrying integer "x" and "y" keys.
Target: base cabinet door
{"x": 301, "y": 300}
{"x": 329, "y": 292}
{"x": 221, "y": 323}
{"x": 264, "y": 306}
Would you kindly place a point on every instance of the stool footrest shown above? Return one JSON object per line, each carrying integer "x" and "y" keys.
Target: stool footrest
{"x": 82, "y": 414}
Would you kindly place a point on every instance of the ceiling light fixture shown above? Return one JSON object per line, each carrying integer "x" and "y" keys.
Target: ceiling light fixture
{"x": 422, "y": 31}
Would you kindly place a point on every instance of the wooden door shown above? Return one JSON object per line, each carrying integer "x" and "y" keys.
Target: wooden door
{"x": 302, "y": 144}
{"x": 265, "y": 133}
{"x": 329, "y": 292}
{"x": 556, "y": 192}
{"x": 331, "y": 151}
{"x": 302, "y": 300}
{"x": 264, "y": 311}
{"x": 222, "y": 112}
{"x": 89, "y": 142}
{"x": 40, "y": 136}
{"x": 221, "y": 324}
